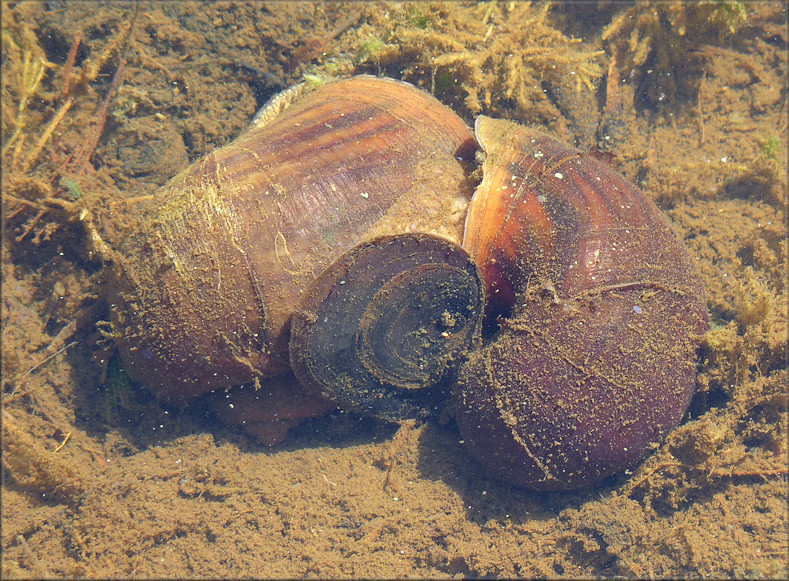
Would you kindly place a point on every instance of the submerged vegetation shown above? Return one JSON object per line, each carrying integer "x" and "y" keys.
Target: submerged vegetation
{"x": 651, "y": 40}
{"x": 503, "y": 59}
{"x": 770, "y": 146}
{"x": 52, "y": 122}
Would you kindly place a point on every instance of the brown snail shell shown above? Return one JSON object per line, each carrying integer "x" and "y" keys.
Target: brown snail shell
{"x": 386, "y": 323}
{"x": 601, "y": 314}
{"x": 215, "y": 267}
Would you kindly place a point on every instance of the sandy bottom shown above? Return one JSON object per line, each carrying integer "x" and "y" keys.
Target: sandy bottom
{"x": 101, "y": 480}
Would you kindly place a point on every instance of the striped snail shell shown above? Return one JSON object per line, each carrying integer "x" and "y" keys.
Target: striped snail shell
{"x": 213, "y": 269}
{"x": 600, "y": 311}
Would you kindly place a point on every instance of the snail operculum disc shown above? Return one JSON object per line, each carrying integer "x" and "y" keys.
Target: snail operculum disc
{"x": 381, "y": 330}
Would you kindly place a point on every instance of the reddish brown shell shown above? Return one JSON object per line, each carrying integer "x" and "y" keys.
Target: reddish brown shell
{"x": 209, "y": 279}
{"x": 602, "y": 311}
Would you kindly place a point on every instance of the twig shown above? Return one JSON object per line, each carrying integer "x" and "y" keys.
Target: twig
{"x": 59, "y": 339}
{"x": 65, "y": 440}
{"x": 30, "y": 226}
{"x": 235, "y": 516}
{"x": 46, "y": 135}
{"x": 747, "y": 473}
{"x": 719, "y": 473}
{"x": 82, "y": 158}
{"x": 57, "y": 204}
{"x": 72, "y": 56}
{"x": 116, "y": 46}
{"x": 12, "y": 397}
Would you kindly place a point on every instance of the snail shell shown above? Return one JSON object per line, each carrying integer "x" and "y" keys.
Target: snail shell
{"x": 600, "y": 309}
{"x": 381, "y": 330}
{"x": 212, "y": 271}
